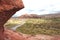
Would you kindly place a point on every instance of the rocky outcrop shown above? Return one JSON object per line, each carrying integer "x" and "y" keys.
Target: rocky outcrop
{"x": 10, "y": 4}
{"x": 12, "y": 35}
{"x": 7, "y": 9}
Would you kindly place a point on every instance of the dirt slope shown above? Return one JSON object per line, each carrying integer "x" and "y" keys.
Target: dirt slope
{"x": 12, "y": 35}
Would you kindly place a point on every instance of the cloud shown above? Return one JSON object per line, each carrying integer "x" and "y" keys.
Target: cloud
{"x": 39, "y": 7}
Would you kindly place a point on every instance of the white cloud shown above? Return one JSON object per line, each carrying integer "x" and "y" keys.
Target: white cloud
{"x": 36, "y": 5}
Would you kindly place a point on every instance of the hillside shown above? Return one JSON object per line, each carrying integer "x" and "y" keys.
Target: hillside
{"x": 29, "y": 16}
{"x": 13, "y": 35}
{"x": 40, "y": 16}
{"x": 56, "y": 15}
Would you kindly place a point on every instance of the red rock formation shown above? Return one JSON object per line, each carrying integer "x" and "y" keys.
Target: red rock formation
{"x": 10, "y": 4}
{"x": 12, "y": 35}
{"x": 7, "y": 9}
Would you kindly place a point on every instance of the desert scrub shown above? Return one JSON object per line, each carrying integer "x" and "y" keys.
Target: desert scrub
{"x": 13, "y": 22}
{"x": 40, "y": 26}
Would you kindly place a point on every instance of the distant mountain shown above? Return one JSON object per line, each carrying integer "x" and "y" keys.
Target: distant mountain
{"x": 29, "y": 16}
{"x": 40, "y": 16}
{"x": 55, "y": 15}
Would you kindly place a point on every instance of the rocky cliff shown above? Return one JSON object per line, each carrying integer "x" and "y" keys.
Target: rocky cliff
{"x": 6, "y": 5}
{"x": 7, "y": 9}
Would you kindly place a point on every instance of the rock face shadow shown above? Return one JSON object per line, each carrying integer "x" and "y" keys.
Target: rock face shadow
{"x": 7, "y": 9}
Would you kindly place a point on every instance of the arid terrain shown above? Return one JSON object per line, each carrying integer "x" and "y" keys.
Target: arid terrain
{"x": 49, "y": 30}
{"x": 13, "y": 35}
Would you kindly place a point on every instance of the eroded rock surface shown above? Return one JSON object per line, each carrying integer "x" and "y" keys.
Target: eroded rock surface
{"x": 12, "y": 35}
{"x": 10, "y": 4}
{"x": 7, "y": 9}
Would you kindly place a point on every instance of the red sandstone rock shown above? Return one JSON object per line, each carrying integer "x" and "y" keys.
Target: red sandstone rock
{"x": 11, "y": 35}
{"x": 10, "y": 4}
{"x": 7, "y": 9}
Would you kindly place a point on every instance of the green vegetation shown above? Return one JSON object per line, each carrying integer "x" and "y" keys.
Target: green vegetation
{"x": 12, "y": 22}
{"x": 37, "y": 26}
{"x": 41, "y": 26}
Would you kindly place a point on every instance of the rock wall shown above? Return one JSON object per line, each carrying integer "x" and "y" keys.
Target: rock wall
{"x": 10, "y": 4}
{"x": 7, "y": 9}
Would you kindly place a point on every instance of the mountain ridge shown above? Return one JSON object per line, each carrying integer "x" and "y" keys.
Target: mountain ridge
{"x": 40, "y": 16}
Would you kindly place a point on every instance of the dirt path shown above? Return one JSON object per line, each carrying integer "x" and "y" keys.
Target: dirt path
{"x": 19, "y": 25}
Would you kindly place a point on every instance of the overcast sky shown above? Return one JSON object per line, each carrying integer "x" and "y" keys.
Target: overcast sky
{"x": 39, "y": 7}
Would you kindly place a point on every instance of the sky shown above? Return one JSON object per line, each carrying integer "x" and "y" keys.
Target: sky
{"x": 39, "y": 7}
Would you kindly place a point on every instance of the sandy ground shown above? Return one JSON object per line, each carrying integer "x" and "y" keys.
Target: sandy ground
{"x": 12, "y": 35}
